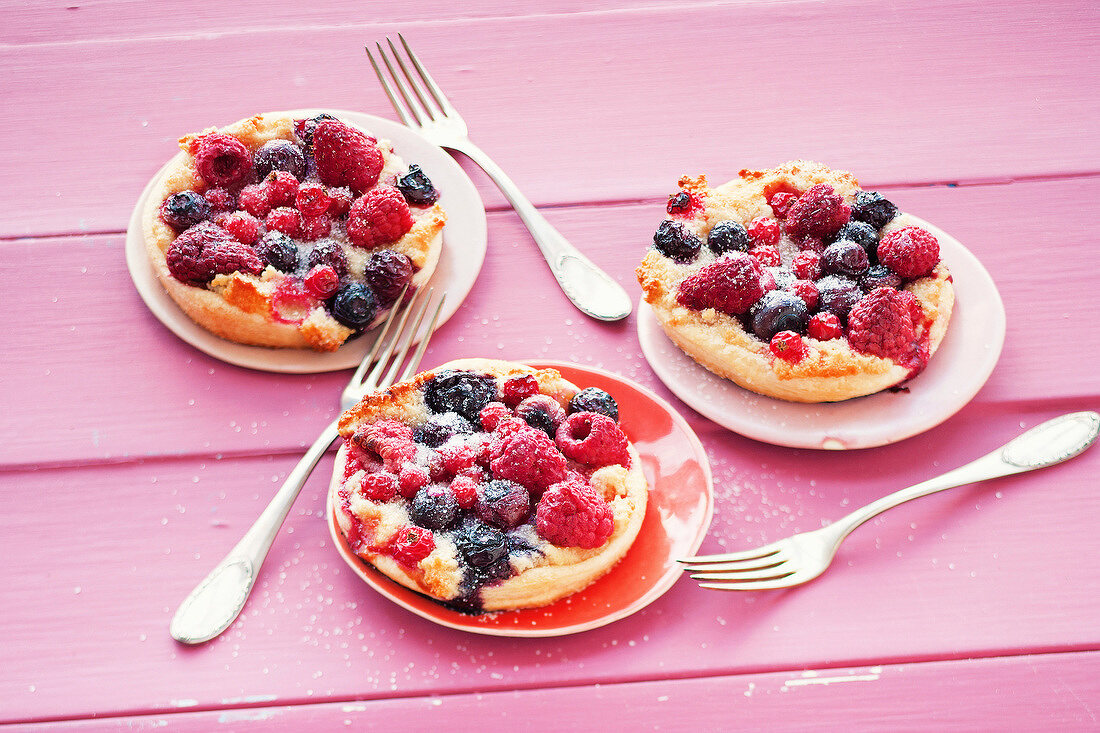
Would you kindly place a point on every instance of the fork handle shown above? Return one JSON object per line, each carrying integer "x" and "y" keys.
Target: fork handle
{"x": 217, "y": 601}
{"x": 591, "y": 289}
{"x": 1046, "y": 444}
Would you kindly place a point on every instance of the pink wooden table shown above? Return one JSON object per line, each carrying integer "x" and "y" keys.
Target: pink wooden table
{"x": 130, "y": 462}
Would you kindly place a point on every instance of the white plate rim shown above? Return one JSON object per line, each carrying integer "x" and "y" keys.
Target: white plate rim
{"x": 466, "y": 232}
{"x": 966, "y": 359}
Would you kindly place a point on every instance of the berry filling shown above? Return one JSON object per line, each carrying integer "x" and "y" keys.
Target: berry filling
{"x": 485, "y": 478}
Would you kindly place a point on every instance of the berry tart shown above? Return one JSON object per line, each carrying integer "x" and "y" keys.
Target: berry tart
{"x": 488, "y": 485}
{"x": 291, "y": 233}
{"x": 797, "y": 284}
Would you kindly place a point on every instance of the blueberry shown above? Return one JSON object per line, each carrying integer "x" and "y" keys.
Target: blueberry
{"x": 387, "y": 272}
{"x": 417, "y": 188}
{"x": 482, "y": 545}
{"x": 728, "y": 236}
{"x": 679, "y": 203}
{"x": 873, "y": 208}
{"x": 879, "y": 276}
{"x": 675, "y": 242}
{"x": 437, "y": 429}
{"x": 541, "y": 412}
{"x": 837, "y": 295}
{"x": 861, "y": 233}
{"x": 354, "y": 305}
{"x": 503, "y": 504}
{"x": 329, "y": 252}
{"x": 434, "y": 507}
{"x": 462, "y": 392}
{"x": 593, "y": 399}
{"x": 184, "y": 209}
{"x": 844, "y": 257}
{"x": 279, "y": 251}
{"x": 279, "y": 155}
{"x": 779, "y": 311}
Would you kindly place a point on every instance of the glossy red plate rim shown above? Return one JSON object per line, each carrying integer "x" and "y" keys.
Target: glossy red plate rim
{"x": 675, "y": 521}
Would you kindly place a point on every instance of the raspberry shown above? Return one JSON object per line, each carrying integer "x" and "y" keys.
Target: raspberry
{"x": 395, "y": 453}
{"x": 285, "y": 220}
{"x": 345, "y": 156}
{"x": 184, "y": 209}
{"x": 222, "y": 160}
{"x": 810, "y": 244}
{"x": 781, "y": 202}
{"x": 675, "y": 242}
{"x": 788, "y": 346}
{"x": 503, "y": 504}
{"x": 279, "y": 155}
{"x": 290, "y": 303}
{"x": 768, "y": 256}
{"x": 683, "y": 204}
{"x": 525, "y": 455}
{"x": 819, "y": 212}
{"x": 411, "y": 479}
{"x": 279, "y": 251}
{"x": 807, "y": 265}
{"x": 825, "y": 326}
{"x": 381, "y": 486}
{"x": 359, "y": 460}
{"x": 322, "y": 281}
{"x": 245, "y": 228}
{"x": 255, "y": 199}
{"x": 411, "y": 545}
{"x": 517, "y": 389}
{"x": 380, "y": 217}
{"x": 417, "y": 188}
{"x": 312, "y": 199}
{"x": 731, "y": 285}
{"x": 911, "y": 252}
{"x": 593, "y": 439}
{"x": 884, "y": 323}
{"x": 206, "y": 250}
{"x": 542, "y": 412}
{"x": 340, "y": 200}
{"x": 594, "y": 399}
{"x": 329, "y": 252}
{"x": 304, "y": 128}
{"x": 464, "y": 489}
{"x": 572, "y": 514}
{"x": 315, "y": 227}
{"x": 491, "y": 415}
{"x": 282, "y": 188}
{"x": 807, "y": 291}
{"x": 764, "y": 231}
{"x": 457, "y": 458}
{"x": 388, "y": 272}
{"x": 220, "y": 200}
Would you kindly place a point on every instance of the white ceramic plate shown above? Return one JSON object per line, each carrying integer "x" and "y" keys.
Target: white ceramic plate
{"x": 464, "y": 243}
{"x": 956, "y": 372}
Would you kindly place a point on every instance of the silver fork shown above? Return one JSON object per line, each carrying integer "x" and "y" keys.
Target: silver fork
{"x": 805, "y": 556}
{"x": 421, "y": 105}
{"x": 217, "y": 601}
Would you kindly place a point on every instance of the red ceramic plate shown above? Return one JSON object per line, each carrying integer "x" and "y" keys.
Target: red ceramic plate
{"x": 677, "y": 517}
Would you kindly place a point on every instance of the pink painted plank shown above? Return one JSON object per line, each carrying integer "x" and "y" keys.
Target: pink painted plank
{"x": 982, "y": 571}
{"x": 1045, "y": 692}
{"x": 592, "y": 114}
{"x": 196, "y": 405}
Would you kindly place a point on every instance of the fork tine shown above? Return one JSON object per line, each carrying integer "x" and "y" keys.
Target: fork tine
{"x": 755, "y": 585}
{"x": 421, "y": 115}
{"x": 756, "y": 563}
{"x": 773, "y": 573}
{"x": 374, "y": 379}
{"x": 423, "y": 345}
{"x": 437, "y": 93}
{"x": 754, "y": 554}
{"x": 379, "y": 342}
{"x": 406, "y": 342}
{"x": 412, "y": 82}
{"x": 394, "y": 102}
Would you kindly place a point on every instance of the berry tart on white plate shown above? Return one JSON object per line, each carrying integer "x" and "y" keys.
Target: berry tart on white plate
{"x": 291, "y": 233}
{"x": 488, "y": 485}
{"x": 797, "y": 284}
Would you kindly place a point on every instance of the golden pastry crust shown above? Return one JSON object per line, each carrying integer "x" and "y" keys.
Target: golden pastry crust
{"x": 831, "y": 370}
{"x": 541, "y": 577}
{"x": 238, "y": 307}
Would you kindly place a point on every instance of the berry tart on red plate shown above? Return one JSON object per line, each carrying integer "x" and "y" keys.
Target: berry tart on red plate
{"x": 488, "y": 485}
{"x": 291, "y": 233}
{"x": 797, "y": 284}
